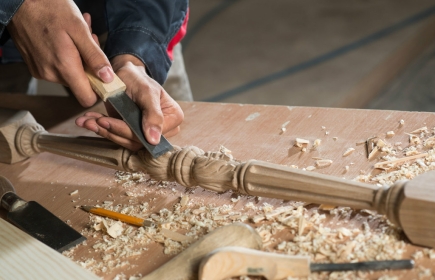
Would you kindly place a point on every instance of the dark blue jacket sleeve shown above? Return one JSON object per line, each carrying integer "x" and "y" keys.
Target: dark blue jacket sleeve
{"x": 144, "y": 28}
{"x": 8, "y": 8}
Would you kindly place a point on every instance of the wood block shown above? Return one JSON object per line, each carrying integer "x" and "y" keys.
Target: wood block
{"x": 23, "y": 257}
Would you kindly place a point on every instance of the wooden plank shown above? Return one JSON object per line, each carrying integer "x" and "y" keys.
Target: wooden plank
{"x": 23, "y": 257}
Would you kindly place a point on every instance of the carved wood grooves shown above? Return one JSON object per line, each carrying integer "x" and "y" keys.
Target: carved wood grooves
{"x": 190, "y": 167}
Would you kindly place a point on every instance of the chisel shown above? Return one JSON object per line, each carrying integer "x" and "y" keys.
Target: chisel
{"x": 35, "y": 220}
{"x": 114, "y": 92}
{"x": 227, "y": 262}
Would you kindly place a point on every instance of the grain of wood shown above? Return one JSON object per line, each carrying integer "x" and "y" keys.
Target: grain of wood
{"x": 21, "y": 256}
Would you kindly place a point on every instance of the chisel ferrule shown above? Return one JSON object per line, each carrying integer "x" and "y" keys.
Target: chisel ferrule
{"x": 10, "y": 201}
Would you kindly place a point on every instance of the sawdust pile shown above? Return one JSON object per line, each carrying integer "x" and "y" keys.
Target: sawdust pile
{"x": 325, "y": 234}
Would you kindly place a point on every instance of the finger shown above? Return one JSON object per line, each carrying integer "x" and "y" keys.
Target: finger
{"x": 173, "y": 113}
{"x": 118, "y": 127}
{"x": 92, "y": 55}
{"x": 87, "y": 18}
{"x": 71, "y": 70}
{"x": 88, "y": 115}
{"x": 94, "y": 114}
{"x": 91, "y": 124}
{"x": 95, "y": 37}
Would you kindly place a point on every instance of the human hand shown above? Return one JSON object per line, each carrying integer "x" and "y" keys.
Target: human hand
{"x": 160, "y": 113}
{"x": 53, "y": 39}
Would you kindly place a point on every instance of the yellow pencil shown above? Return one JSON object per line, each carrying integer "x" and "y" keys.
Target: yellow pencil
{"x": 118, "y": 216}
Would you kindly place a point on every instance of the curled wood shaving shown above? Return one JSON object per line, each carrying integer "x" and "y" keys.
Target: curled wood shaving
{"x": 414, "y": 140}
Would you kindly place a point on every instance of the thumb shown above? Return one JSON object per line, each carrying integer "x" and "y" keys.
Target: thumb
{"x": 92, "y": 55}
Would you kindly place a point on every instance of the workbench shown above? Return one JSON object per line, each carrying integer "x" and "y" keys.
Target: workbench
{"x": 250, "y": 132}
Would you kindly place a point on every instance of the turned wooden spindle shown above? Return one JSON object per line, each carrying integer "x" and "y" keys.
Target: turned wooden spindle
{"x": 408, "y": 204}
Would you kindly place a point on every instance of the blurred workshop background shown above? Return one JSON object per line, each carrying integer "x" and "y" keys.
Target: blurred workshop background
{"x": 376, "y": 54}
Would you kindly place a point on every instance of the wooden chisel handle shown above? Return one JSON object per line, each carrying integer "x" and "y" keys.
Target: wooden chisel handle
{"x": 105, "y": 90}
{"x": 228, "y": 262}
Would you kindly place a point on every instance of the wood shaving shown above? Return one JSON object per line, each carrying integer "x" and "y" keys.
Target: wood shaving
{"x": 390, "y": 134}
{"x": 414, "y": 140}
{"x": 310, "y": 168}
{"x": 226, "y": 152}
{"x": 184, "y": 200}
{"x": 301, "y": 143}
{"x": 74, "y": 192}
{"x": 317, "y": 143}
{"x": 401, "y": 123}
{"x": 348, "y": 152}
{"x": 393, "y": 163}
{"x": 419, "y": 130}
{"x": 323, "y": 163}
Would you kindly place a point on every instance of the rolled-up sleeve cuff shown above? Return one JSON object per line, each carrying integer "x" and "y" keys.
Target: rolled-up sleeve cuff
{"x": 7, "y": 11}
{"x": 142, "y": 44}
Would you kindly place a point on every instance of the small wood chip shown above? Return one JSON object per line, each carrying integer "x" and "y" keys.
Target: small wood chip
{"x": 414, "y": 140}
{"x": 302, "y": 225}
{"x": 302, "y": 143}
{"x": 323, "y": 163}
{"x": 390, "y": 134}
{"x": 74, "y": 192}
{"x": 326, "y": 207}
{"x": 348, "y": 152}
{"x": 114, "y": 230}
{"x": 184, "y": 200}
{"x": 317, "y": 143}
{"x": 401, "y": 123}
{"x": 175, "y": 235}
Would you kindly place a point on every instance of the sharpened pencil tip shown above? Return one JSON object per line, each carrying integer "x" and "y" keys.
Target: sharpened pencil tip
{"x": 86, "y": 208}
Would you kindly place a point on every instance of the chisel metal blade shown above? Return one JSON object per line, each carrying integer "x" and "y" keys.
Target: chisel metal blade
{"x": 132, "y": 115}
{"x": 370, "y": 265}
{"x": 37, "y": 221}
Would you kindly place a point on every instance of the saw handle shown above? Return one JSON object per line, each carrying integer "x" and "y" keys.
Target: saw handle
{"x": 227, "y": 262}
{"x": 105, "y": 90}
